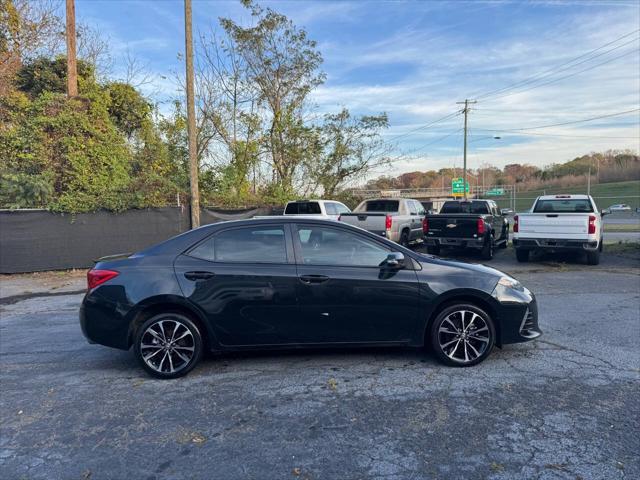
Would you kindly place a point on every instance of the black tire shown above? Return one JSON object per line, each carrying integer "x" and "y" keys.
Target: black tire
{"x": 404, "y": 239}
{"x": 487, "y": 250}
{"x": 593, "y": 257}
{"x": 505, "y": 237}
{"x": 522, "y": 255}
{"x": 433, "y": 249}
{"x": 179, "y": 349}
{"x": 440, "y": 340}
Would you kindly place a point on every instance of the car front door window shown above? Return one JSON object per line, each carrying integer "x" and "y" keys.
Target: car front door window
{"x": 327, "y": 246}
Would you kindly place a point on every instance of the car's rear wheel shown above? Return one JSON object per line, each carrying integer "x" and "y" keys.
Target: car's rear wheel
{"x": 404, "y": 239}
{"x": 168, "y": 345}
{"x": 522, "y": 255}
{"x": 593, "y": 257}
{"x": 487, "y": 250}
{"x": 505, "y": 237}
{"x": 462, "y": 335}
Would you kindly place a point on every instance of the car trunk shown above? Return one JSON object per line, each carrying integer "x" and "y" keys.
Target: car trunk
{"x": 571, "y": 226}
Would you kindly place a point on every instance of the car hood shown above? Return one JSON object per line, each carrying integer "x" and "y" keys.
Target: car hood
{"x": 456, "y": 264}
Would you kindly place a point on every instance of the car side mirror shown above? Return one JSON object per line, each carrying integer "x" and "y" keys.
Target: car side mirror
{"x": 395, "y": 261}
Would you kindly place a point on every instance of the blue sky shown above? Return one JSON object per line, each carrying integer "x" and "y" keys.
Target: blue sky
{"x": 415, "y": 60}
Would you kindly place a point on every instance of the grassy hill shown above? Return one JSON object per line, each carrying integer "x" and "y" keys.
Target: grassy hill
{"x": 605, "y": 194}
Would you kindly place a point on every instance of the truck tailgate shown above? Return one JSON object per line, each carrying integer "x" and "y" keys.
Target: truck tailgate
{"x": 452, "y": 226}
{"x": 572, "y": 226}
{"x": 374, "y": 222}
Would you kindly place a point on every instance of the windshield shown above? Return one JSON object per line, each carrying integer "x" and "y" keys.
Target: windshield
{"x": 302, "y": 208}
{"x": 465, "y": 207}
{"x": 563, "y": 205}
{"x": 382, "y": 206}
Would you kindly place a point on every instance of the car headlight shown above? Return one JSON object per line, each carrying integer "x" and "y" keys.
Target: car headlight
{"x": 511, "y": 290}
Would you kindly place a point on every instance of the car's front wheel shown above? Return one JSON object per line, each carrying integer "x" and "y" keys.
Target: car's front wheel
{"x": 462, "y": 335}
{"x": 168, "y": 345}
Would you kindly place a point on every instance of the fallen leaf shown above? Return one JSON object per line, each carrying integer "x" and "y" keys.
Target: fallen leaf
{"x": 297, "y": 471}
{"x": 333, "y": 384}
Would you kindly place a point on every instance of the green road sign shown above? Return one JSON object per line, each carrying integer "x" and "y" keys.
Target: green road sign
{"x": 457, "y": 186}
{"x": 495, "y": 191}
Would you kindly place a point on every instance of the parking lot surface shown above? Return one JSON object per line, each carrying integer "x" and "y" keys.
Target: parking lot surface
{"x": 563, "y": 407}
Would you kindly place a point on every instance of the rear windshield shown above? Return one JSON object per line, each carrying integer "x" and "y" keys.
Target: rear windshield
{"x": 571, "y": 205}
{"x": 382, "y": 206}
{"x": 464, "y": 207}
{"x": 302, "y": 208}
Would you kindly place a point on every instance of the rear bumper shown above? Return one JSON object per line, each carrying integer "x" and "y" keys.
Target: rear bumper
{"x": 554, "y": 244}
{"x": 455, "y": 242}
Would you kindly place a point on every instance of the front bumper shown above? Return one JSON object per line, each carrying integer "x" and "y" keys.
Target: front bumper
{"x": 455, "y": 242}
{"x": 554, "y": 244}
{"x": 518, "y": 321}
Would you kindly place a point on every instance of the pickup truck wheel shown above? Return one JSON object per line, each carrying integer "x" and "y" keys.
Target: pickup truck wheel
{"x": 593, "y": 257}
{"x": 522, "y": 255}
{"x": 404, "y": 239}
{"x": 462, "y": 335}
{"x": 487, "y": 250}
{"x": 434, "y": 250}
{"x": 505, "y": 237}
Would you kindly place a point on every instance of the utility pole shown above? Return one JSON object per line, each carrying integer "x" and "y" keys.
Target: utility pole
{"x": 464, "y": 168}
{"x": 72, "y": 67}
{"x": 589, "y": 182}
{"x": 191, "y": 119}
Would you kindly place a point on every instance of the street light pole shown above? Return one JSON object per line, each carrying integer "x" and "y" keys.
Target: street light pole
{"x": 191, "y": 119}
{"x": 464, "y": 168}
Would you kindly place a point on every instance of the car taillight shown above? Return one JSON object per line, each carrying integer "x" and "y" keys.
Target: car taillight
{"x": 98, "y": 277}
{"x": 480, "y": 226}
{"x": 592, "y": 224}
{"x": 515, "y": 224}
{"x": 388, "y": 222}
{"x": 425, "y": 225}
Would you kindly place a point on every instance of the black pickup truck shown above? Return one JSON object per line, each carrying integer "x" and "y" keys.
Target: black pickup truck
{"x": 477, "y": 224}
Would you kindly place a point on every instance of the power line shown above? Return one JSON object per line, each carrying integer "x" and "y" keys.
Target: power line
{"x": 616, "y": 114}
{"x": 422, "y": 147}
{"x": 566, "y": 76}
{"x": 551, "y": 135}
{"x": 555, "y": 68}
{"x": 428, "y": 125}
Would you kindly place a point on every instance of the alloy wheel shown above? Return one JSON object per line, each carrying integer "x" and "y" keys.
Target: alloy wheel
{"x": 167, "y": 346}
{"x": 464, "y": 336}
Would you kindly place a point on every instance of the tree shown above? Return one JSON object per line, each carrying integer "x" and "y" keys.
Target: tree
{"x": 284, "y": 65}
{"x": 351, "y": 148}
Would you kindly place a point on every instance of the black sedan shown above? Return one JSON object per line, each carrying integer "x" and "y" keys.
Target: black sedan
{"x": 291, "y": 282}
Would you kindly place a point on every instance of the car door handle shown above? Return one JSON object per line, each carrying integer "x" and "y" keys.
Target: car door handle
{"x": 195, "y": 276}
{"x": 313, "y": 279}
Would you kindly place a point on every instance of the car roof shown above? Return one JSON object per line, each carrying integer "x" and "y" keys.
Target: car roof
{"x": 565, "y": 196}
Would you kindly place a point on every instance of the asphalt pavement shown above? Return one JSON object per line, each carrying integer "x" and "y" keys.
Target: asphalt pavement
{"x": 563, "y": 407}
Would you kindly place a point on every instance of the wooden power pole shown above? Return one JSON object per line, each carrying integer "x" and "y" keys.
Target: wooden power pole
{"x": 191, "y": 119}
{"x": 72, "y": 67}
{"x": 464, "y": 168}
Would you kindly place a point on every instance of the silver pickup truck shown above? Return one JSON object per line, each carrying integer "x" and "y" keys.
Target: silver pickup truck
{"x": 398, "y": 219}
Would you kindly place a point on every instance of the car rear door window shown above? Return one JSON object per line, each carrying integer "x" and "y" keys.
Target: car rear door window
{"x": 328, "y": 246}
{"x": 244, "y": 245}
{"x": 331, "y": 208}
{"x": 564, "y": 205}
{"x": 382, "y": 206}
{"x": 302, "y": 208}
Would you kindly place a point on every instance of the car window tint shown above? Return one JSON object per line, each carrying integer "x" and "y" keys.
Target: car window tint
{"x": 331, "y": 208}
{"x": 328, "y": 246}
{"x": 382, "y": 206}
{"x": 412, "y": 207}
{"x": 465, "y": 207}
{"x": 571, "y": 205}
{"x": 245, "y": 245}
{"x": 302, "y": 208}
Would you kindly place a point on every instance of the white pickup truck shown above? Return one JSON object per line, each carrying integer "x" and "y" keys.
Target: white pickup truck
{"x": 559, "y": 222}
{"x": 327, "y": 209}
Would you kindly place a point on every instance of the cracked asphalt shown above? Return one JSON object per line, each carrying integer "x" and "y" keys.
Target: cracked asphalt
{"x": 563, "y": 407}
